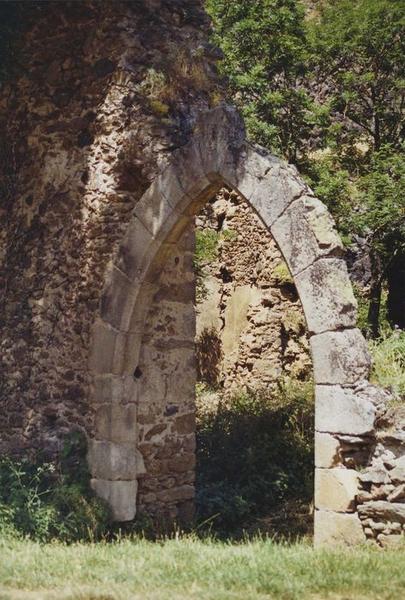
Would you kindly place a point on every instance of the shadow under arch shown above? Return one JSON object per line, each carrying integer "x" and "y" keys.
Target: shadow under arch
{"x": 219, "y": 155}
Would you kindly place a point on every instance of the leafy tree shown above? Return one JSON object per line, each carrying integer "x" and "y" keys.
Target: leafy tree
{"x": 357, "y": 53}
{"x": 265, "y": 56}
{"x": 382, "y": 218}
{"x": 358, "y": 48}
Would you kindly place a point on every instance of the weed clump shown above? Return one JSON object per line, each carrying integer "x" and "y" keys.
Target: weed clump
{"x": 51, "y": 500}
{"x": 254, "y": 455}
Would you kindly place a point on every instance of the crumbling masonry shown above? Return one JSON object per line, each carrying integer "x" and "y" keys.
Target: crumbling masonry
{"x": 112, "y": 144}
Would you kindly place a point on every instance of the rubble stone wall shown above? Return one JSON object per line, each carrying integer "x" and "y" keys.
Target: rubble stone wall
{"x": 100, "y": 94}
{"x": 249, "y": 308}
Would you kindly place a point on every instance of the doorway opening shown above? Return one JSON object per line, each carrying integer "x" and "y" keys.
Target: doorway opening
{"x": 225, "y": 382}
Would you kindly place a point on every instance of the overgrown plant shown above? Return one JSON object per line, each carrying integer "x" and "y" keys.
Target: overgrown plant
{"x": 51, "y": 500}
{"x": 389, "y": 362}
{"x": 254, "y": 453}
{"x": 206, "y": 251}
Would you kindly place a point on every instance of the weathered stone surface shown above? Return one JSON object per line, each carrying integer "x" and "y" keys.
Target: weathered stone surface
{"x": 336, "y": 489}
{"x": 249, "y": 312}
{"x": 391, "y": 541}
{"x": 119, "y": 495}
{"x": 104, "y": 343}
{"x": 185, "y": 424}
{"x": 376, "y": 474}
{"x": 113, "y": 461}
{"x": 326, "y": 451}
{"x": 116, "y": 423}
{"x": 305, "y": 232}
{"x": 327, "y": 296}
{"x": 156, "y": 214}
{"x": 340, "y": 357}
{"x": 322, "y": 226}
{"x": 331, "y": 529}
{"x": 398, "y": 472}
{"x": 397, "y": 494}
{"x": 75, "y": 168}
{"x": 184, "y": 492}
{"x": 136, "y": 248}
{"x": 339, "y": 410}
{"x": 387, "y": 511}
{"x": 236, "y": 316}
{"x": 108, "y": 388}
{"x": 208, "y": 315}
{"x": 117, "y": 300}
{"x": 220, "y": 142}
{"x": 269, "y": 185}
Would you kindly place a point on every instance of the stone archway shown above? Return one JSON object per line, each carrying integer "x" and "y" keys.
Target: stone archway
{"x": 219, "y": 154}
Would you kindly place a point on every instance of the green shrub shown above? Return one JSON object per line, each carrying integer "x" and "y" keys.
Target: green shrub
{"x": 48, "y": 500}
{"x": 388, "y": 354}
{"x": 254, "y": 452}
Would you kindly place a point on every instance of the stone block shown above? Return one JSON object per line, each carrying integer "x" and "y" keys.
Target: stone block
{"x": 271, "y": 191}
{"x": 119, "y": 495}
{"x": 305, "y": 232}
{"x": 185, "y": 424}
{"x": 337, "y": 529}
{"x": 395, "y": 542}
{"x": 116, "y": 423}
{"x": 340, "y": 357}
{"x": 221, "y": 140}
{"x": 340, "y": 410}
{"x": 182, "y": 463}
{"x": 157, "y": 215}
{"x": 376, "y": 474}
{"x": 383, "y": 510}
{"x": 336, "y": 489}
{"x": 135, "y": 250}
{"x": 398, "y": 472}
{"x": 112, "y": 461}
{"x": 327, "y": 296}
{"x": 326, "y": 451}
{"x": 177, "y": 494}
{"x": 168, "y": 186}
{"x": 208, "y": 313}
{"x": 118, "y": 299}
{"x": 397, "y": 494}
{"x": 322, "y": 226}
{"x": 103, "y": 346}
{"x": 235, "y": 316}
{"x": 111, "y": 388}
{"x": 199, "y": 179}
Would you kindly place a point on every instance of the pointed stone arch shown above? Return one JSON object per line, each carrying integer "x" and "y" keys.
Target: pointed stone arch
{"x": 218, "y": 154}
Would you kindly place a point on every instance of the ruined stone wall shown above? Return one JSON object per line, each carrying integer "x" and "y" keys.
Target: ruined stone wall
{"x": 100, "y": 93}
{"x": 248, "y": 307}
{"x": 166, "y": 390}
{"x": 381, "y": 499}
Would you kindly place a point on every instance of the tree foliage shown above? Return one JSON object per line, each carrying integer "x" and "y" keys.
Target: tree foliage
{"x": 264, "y": 44}
{"x": 325, "y": 89}
{"x": 357, "y": 49}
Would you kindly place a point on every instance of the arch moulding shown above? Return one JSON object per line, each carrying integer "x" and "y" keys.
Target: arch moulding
{"x": 217, "y": 155}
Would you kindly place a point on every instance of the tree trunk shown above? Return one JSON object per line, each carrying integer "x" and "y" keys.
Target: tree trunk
{"x": 396, "y": 291}
{"x": 373, "y": 318}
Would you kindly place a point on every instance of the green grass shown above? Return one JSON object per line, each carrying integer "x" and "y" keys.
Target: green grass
{"x": 189, "y": 568}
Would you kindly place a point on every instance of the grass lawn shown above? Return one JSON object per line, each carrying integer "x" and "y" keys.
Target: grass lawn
{"x": 189, "y": 568}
